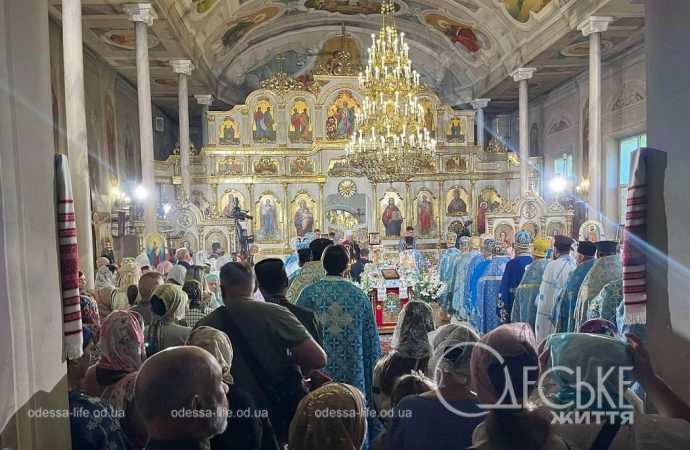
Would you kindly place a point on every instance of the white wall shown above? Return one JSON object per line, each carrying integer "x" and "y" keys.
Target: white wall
{"x": 622, "y": 80}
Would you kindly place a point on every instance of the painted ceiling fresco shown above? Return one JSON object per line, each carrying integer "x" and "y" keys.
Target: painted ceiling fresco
{"x": 463, "y": 49}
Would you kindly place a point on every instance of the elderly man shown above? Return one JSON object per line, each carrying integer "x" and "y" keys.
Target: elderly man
{"x": 184, "y": 258}
{"x": 181, "y": 397}
{"x": 565, "y": 306}
{"x": 607, "y": 268}
{"x": 554, "y": 280}
{"x": 525, "y": 300}
{"x": 512, "y": 276}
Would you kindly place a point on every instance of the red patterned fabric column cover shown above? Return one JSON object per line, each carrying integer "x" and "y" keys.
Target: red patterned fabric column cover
{"x": 69, "y": 260}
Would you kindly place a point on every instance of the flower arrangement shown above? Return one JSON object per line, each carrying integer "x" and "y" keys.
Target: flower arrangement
{"x": 370, "y": 278}
{"x": 428, "y": 287}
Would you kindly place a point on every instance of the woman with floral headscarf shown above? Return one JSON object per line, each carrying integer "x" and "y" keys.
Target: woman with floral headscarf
{"x": 248, "y": 432}
{"x": 112, "y": 379}
{"x": 343, "y": 429}
{"x": 168, "y": 304}
{"x": 444, "y": 418}
{"x": 411, "y": 351}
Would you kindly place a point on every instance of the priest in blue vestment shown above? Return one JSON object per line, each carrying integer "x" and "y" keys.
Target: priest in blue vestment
{"x": 475, "y": 273}
{"x": 488, "y": 289}
{"x": 460, "y": 279}
{"x": 350, "y": 336}
{"x": 525, "y": 301}
{"x": 512, "y": 276}
{"x": 446, "y": 269}
{"x": 565, "y": 306}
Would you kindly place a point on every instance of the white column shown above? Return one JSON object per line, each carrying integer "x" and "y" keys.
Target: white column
{"x": 205, "y": 101}
{"x": 521, "y": 76}
{"x": 479, "y": 105}
{"x": 184, "y": 67}
{"x": 75, "y": 124}
{"x": 593, "y": 27}
{"x": 143, "y": 15}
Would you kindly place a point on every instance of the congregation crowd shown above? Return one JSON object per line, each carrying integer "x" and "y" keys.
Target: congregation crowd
{"x": 226, "y": 355}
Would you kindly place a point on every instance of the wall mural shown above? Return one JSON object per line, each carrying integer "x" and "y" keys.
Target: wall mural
{"x": 263, "y": 125}
{"x": 392, "y": 214}
{"x": 268, "y": 217}
{"x": 239, "y": 28}
{"x": 204, "y": 6}
{"x": 303, "y": 212}
{"x": 347, "y": 8}
{"x": 455, "y": 31}
{"x": 125, "y": 39}
{"x": 457, "y": 200}
{"x": 228, "y": 132}
{"x": 424, "y": 207}
{"x": 341, "y": 116}
{"x": 300, "y": 128}
{"x": 520, "y": 9}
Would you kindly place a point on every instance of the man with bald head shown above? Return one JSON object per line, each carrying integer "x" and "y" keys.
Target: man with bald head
{"x": 181, "y": 398}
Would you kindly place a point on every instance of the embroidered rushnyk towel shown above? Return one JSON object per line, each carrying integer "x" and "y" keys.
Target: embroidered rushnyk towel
{"x": 69, "y": 260}
{"x": 634, "y": 242}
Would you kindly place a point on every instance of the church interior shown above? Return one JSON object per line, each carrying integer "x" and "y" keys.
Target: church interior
{"x": 245, "y": 130}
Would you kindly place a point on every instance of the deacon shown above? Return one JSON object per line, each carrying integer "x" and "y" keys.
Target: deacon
{"x": 565, "y": 306}
{"x": 607, "y": 268}
{"x": 553, "y": 282}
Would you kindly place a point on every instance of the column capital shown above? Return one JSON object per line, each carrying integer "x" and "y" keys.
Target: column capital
{"x": 480, "y": 103}
{"x": 141, "y": 12}
{"x": 523, "y": 73}
{"x": 182, "y": 66}
{"x": 204, "y": 99}
{"x": 594, "y": 24}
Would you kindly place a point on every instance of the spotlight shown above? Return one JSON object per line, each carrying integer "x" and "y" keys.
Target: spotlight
{"x": 140, "y": 193}
{"x": 558, "y": 184}
{"x": 166, "y": 208}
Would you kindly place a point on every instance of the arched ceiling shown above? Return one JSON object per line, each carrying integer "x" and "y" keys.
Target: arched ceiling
{"x": 464, "y": 49}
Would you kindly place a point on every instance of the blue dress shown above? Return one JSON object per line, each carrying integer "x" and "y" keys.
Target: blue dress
{"x": 512, "y": 276}
{"x": 350, "y": 336}
{"x": 487, "y": 294}
{"x": 475, "y": 274}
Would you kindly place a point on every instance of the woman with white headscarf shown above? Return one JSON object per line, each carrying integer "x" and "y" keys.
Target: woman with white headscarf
{"x": 442, "y": 419}
{"x": 411, "y": 351}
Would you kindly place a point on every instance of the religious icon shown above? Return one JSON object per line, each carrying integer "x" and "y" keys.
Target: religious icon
{"x": 263, "y": 124}
{"x": 457, "y": 205}
{"x": 268, "y": 215}
{"x": 591, "y": 231}
{"x": 425, "y": 213}
{"x": 266, "y": 166}
{"x": 455, "y": 132}
{"x": 110, "y": 133}
{"x": 504, "y": 233}
{"x": 455, "y": 31}
{"x": 155, "y": 248}
{"x": 341, "y": 117}
{"x": 428, "y": 108}
{"x": 216, "y": 243}
{"x": 304, "y": 215}
{"x": 228, "y": 200}
{"x": 300, "y": 130}
{"x": 456, "y": 164}
{"x": 301, "y": 166}
{"x": 555, "y": 228}
{"x": 374, "y": 239}
{"x": 481, "y": 217}
{"x": 229, "y": 166}
{"x": 392, "y": 217}
{"x": 228, "y": 132}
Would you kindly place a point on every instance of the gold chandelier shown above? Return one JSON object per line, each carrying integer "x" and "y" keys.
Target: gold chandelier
{"x": 390, "y": 142}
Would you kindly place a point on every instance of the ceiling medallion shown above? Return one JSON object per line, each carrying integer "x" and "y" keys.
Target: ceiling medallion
{"x": 390, "y": 142}
{"x": 347, "y": 188}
